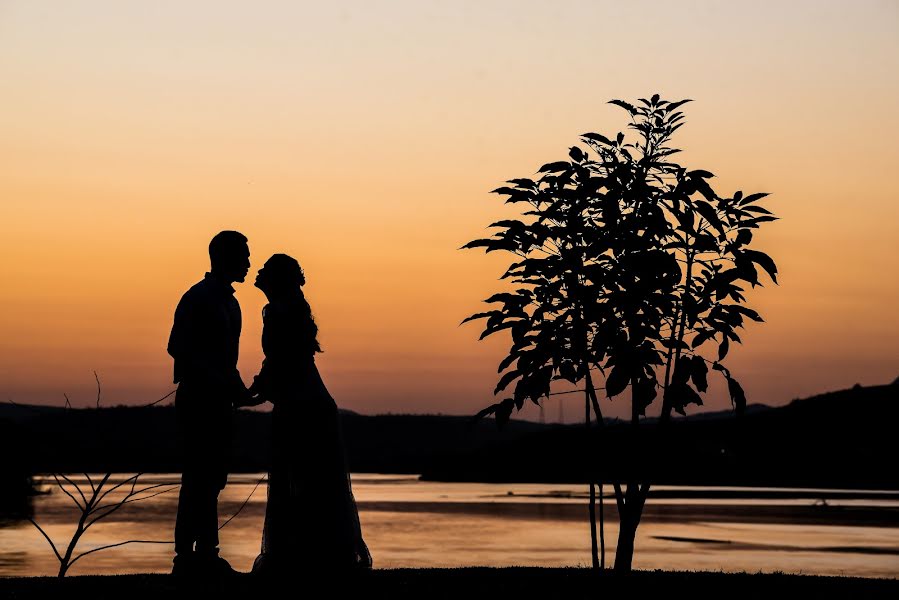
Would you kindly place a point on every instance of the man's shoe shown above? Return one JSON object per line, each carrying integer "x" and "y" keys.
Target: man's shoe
{"x": 184, "y": 565}
{"x": 213, "y": 565}
{"x": 222, "y": 568}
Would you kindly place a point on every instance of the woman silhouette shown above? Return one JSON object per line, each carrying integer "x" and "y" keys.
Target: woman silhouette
{"x": 311, "y": 520}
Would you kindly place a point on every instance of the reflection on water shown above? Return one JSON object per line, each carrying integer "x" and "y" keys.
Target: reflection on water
{"x": 409, "y": 523}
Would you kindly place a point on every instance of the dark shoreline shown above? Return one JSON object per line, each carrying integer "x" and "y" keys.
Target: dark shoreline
{"x": 540, "y": 583}
{"x": 842, "y": 439}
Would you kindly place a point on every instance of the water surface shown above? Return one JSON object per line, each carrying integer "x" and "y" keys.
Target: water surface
{"x": 411, "y": 523}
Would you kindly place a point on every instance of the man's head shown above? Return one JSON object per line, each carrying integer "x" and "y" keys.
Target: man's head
{"x": 230, "y": 256}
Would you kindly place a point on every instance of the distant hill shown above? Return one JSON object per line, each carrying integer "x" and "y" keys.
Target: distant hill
{"x": 839, "y": 439}
{"x": 131, "y": 439}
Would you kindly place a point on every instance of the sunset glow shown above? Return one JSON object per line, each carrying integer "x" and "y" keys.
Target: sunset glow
{"x": 364, "y": 138}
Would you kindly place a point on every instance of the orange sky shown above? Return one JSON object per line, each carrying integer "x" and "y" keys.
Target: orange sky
{"x": 363, "y": 138}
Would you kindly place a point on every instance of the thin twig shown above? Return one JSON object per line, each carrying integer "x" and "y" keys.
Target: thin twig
{"x": 62, "y": 487}
{"x": 245, "y": 502}
{"x": 118, "y": 485}
{"x": 132, "y": 496}
{"x": 172, "y": 488}
{"x": 73, "y": 484}
{"x": 574, "y": 391}
{"x": 46, "y": 537}
{"x": 160, "y": 400}
{"x": 26, "y": 406}
{"x": 83, "y": 554}
{"x": 136, "y": 498}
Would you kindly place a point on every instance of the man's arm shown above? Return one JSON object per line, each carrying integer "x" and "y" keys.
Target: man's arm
{"x": 179, "y": 346}
{"x": 186, "y": 342}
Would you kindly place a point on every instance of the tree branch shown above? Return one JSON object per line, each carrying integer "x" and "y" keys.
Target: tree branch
{"x": 83, "y": 554}
{"x": 98, "y": 388}
{"x": 62, "y": 487}
{"x": 46, "y": 537}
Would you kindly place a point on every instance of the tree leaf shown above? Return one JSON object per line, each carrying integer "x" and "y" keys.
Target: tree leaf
{"x": 477, "y": 316}
{"x": 708, "y": 213}
{"x": 491, "y": 330}
{"x": 761, "y": 210}
{"x": 576, "y": 154}
{"x": 595, "y": 137}
{"x": 504, "y": 411}
{"x": 505, "y": 190}
{"x": 501, "y": 412}
{"x": 679, "y": 395}
{"x": 523, "y": 183}
{"x": 568, "y": 371}
{"x": 748, "y": 312}
{"x": 675, "y": 105}
{"x": 477, "y": 244}
{"x": 701, "y": 338}
{"x": 507, "y": 362}
{"x": 555, "y": 167}
{"x": 705, "y": 189}
{"x": 682, "y": 370}
{"x": 507, "y": 298}
{"x": 698, "y": 373}
{"x": 617, "y": 380}
{"x": 737, "y": 395}
{"x": 751, "y": 198}
{"x": 764, "y": 261}
{"x": 644, "y": 391}
{"x": 723, "y": 347}
{"x": 754, "y": 222}
{"x": 626, "y": 106}
{"x": 508, "y": 223}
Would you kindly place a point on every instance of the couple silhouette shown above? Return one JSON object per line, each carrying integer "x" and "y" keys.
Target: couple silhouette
{"x": 311, "y": 519}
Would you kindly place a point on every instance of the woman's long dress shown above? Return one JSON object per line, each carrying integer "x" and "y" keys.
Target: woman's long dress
{"x": 311, "y": 519}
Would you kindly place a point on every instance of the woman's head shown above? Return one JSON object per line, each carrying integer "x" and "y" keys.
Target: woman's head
{"x": 281, "y": 278}
{"x": 280, "y": 274}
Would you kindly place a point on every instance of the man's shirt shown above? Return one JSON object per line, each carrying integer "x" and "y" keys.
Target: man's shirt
{"x": 206, "y": 335}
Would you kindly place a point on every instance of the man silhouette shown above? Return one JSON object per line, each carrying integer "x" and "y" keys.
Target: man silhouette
{"x": 204, "y": 343}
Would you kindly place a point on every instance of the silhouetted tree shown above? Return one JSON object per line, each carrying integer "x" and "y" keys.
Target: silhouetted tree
{"x": 629, "y": 264}
{"x": 98, "y": 497}
{"x": 97, "y": 500}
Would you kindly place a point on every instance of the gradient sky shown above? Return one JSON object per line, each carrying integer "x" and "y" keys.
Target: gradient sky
{"x": 363, "y": 138}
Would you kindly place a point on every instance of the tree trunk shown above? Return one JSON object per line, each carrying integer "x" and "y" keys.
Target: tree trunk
{"x": 627, "y": 533}
{"x": 594, "y": 553}
{"x": 594, "y": 550}
{"x": 602, "y": 531}
{"x": 591, "y": 399}
{"x": 630, "y": 510}
{"x": 631, "y": 502}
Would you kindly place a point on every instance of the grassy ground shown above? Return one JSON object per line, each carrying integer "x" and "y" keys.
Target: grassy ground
{"x": 466, "y": 584}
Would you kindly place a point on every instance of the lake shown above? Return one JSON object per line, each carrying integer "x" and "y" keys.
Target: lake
{"x": 411, "y": 523}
